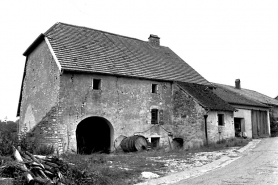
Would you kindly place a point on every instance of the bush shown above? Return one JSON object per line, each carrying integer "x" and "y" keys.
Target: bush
{"x": 7, "y": 140}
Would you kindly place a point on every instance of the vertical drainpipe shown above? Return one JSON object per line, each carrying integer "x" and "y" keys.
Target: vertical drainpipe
{"x": 206, "y": 128}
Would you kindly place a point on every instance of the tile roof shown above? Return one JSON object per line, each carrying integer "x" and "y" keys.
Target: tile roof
{"x": 243, "y": 96}
{"x": 206, "y": 97}
{"x": 89, "y": 50}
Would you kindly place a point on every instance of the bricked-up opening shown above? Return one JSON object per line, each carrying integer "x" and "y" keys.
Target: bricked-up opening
{"x": 96, "y": 84}
{"x": 94, "y": 134}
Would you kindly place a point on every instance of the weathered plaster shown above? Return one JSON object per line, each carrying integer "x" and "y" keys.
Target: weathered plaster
{"x": 189, "y": 122}
{"x": 188, "y": 119}
{"x": 40, "y": 88}
{"x": 216, "y": 132}
{"x": 125, "y": 102}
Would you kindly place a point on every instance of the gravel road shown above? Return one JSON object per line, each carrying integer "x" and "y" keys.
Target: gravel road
{"x": 257, "y": 166}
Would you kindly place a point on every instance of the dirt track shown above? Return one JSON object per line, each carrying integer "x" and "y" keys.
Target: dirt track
{"x": 258, "y": 166}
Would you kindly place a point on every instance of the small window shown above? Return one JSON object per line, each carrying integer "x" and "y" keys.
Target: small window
{"x": 221, "y": 119}
{"x": 154, "y": 88}
{"x": 154, "y": 114}
{"x": 155, "y": 142}
{"x": 96, "y": 84}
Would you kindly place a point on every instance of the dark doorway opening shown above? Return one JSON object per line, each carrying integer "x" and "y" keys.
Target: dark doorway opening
{"x": 238, "y": 126}
{"x": 155, "y": 142}
{"x": 177, "y": 143}
{"x": 94, "y": 135}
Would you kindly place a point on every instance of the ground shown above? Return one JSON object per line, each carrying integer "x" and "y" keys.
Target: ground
{"x": 255, "y": 166}
{"x": 159, "y": 166}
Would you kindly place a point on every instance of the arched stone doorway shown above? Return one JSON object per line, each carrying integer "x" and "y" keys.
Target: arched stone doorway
{"x": 94, "y": 134}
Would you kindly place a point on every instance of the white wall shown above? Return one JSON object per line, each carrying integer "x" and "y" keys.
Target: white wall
{"x": 246, "y": 115}
{"x": 228, "y": 130}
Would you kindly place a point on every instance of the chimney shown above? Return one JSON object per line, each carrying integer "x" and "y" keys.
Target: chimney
{"x": 237, "y": 82}
{"x": 154, "y": 40}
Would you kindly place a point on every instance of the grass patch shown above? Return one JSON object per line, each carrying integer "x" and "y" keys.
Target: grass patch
{"x": 223, "y": 144}
{"x": 126, "y": 168}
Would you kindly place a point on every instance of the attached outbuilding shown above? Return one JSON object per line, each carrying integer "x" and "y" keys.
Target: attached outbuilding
{"x": 252, "y": 115}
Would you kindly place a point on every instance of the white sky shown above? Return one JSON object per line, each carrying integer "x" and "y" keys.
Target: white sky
{"x": 222, "y": 40}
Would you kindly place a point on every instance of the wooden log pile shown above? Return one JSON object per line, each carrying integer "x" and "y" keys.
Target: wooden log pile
{"x": 39, "y": 169}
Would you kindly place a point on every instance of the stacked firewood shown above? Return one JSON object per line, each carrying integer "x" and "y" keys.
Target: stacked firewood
{"x": 39, "y": 169}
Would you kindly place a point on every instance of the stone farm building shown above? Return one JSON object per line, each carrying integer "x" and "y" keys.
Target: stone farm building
{"x": 83, "y": 88}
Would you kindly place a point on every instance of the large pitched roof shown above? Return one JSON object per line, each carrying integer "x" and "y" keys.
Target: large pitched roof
{"x": 89, "y": 50}
{"x": 243, "y": 96}
{"x": 205, "y": 96}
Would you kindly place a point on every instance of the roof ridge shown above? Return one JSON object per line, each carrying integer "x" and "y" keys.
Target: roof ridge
{"x": 99, "y": 31}
{"x": 49, "y": 29}
{"x": 249, "y": 90}
{"x": 239, "y": 94}
{"x": 239, "y": 89}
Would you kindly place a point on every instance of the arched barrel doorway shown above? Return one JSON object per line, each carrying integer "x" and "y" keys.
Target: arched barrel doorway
{"x": 94, "y": 134}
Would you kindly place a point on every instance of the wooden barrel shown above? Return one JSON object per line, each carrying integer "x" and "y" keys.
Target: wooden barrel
{"x": 134, "y": 143}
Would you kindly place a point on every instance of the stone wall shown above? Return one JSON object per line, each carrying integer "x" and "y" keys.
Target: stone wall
{"x": 188, "y": 119}
{"x": 40, "y": 95}
{"x": 53, "y": 105}
{"x": 125, "y": 102}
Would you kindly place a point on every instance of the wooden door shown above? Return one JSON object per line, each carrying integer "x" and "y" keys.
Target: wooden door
{"x": 259, "y": 124}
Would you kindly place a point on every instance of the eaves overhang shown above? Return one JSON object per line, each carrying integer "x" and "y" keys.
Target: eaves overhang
{"x": 248, "y": 105}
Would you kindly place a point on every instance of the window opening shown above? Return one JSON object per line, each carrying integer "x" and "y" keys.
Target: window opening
{"x": 155, "y": 142}
{"x": 154, "y": 88}
{"x": 154, "y": 116}
{"x": 96, "y": 84}
{"x": 220, "y": 119}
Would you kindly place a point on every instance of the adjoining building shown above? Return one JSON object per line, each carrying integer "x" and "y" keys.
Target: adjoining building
{"x": 253, "y": 109}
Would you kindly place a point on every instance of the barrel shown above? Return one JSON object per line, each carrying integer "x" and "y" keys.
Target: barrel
{"x": 134, "y": 143}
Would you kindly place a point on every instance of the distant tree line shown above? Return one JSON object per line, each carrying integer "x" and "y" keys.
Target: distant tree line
{"x": 9, "y": 126}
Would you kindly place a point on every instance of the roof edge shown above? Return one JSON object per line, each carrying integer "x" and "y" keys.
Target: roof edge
{"x": 38, "y": 40}
{"x": 206, "y": 107}
{"x": 53, "y": 54}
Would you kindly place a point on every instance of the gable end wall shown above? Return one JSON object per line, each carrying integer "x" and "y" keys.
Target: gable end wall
{"x": 39, "y": 92}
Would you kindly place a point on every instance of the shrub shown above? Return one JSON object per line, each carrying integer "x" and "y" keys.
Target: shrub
{"x": 7, "y": 140}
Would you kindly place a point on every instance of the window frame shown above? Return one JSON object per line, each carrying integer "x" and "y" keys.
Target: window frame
{"x": 154, "y": 116}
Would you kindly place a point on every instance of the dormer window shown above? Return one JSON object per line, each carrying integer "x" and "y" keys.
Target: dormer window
{"x": 96, "y": 84}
